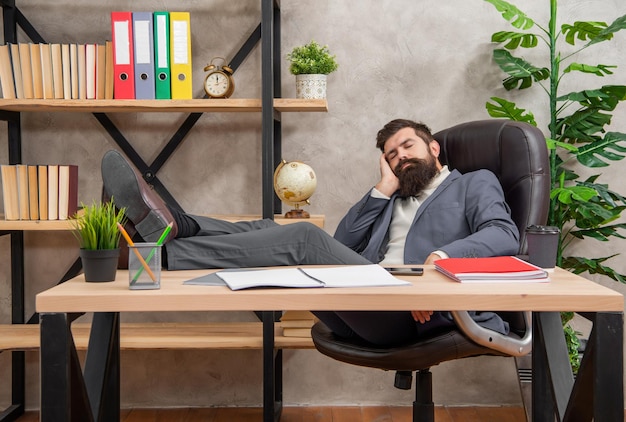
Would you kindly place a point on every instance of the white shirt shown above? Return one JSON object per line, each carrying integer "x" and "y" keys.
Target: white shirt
{"x": 404, "y": 210}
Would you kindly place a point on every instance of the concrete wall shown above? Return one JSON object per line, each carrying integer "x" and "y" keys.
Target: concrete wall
{"x": 428, "y": 61}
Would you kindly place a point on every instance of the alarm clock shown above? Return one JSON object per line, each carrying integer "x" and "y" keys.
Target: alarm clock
{"x": 219, "y": 82}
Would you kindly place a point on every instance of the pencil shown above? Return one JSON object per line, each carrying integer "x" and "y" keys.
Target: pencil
{"x": 132, "y": 245}
{"x": 159, "y": 242}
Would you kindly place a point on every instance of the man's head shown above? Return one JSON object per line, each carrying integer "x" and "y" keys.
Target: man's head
{"x": 412, "y": 154}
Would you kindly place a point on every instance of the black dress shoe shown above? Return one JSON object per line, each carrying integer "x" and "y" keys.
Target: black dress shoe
{"x": 144, "y": 207}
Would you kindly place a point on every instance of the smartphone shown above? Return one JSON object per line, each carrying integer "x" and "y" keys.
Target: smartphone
{"x": 406, "y": 271}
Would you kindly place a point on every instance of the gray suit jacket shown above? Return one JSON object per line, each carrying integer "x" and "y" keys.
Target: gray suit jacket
{"x": 466, "y": 216}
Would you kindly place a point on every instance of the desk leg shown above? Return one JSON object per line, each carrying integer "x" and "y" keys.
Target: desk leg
{"x": 552, "y": 374}
{"x": 102, "y": 367}
{"x": 63, "y": 393}
{"x": 272, "y": 371}
{"x": 599, "y": 389}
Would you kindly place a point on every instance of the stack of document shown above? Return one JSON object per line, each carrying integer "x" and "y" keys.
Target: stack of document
{"x": 491, "y": 270}
{"x": 344, "y": 276}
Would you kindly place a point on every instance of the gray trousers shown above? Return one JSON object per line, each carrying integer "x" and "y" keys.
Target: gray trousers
{"x": 260, "y": 243}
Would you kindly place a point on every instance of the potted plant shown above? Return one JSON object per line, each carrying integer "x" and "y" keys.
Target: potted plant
{"x": 311, "y": 63}
{"x": 581, "y": 207}
{"x": 97, "y": 232}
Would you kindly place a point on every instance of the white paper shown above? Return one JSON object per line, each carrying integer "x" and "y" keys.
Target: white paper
{"x": 344, "y": 276}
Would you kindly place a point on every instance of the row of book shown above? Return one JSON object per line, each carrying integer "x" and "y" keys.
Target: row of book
{"x": 39, "y": 192}
{"x": 297, "y": 323}
{"x": 56, "y": 71}
{"x": 149, "y": 57}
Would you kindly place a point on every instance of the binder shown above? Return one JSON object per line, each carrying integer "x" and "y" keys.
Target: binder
{"x": 162, "y": 56}
{"x": 122, "y": 36}
{"x": 180, "y": 54}
{"x": 6, "y": 73}
{"x": 143, "y": 52}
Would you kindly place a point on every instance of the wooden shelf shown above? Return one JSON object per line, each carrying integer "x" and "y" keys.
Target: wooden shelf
{"x": 50, "y": 225}
{"x": 135, "y": 106}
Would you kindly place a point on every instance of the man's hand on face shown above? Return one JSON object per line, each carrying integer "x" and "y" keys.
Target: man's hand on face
{"x": 389, "y": 183}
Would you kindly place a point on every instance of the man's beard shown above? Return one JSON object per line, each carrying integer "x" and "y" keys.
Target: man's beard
{"x": 417, "y": 176}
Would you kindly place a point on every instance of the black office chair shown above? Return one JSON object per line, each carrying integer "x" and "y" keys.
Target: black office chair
{"x": 516, "y": 152}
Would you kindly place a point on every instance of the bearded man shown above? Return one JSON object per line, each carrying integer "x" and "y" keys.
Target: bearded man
{"x": 418, "y": 212}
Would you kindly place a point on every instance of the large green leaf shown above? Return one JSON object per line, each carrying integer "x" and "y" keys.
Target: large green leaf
{"x": 583, "y": 124}
{"x": 569, "y": 194}
{"x": 579, "y": 265}
{"x": 582, "y": 31}
{"x": 512, "y": 14}
{"x": 521, "y": 73}
{"x": 515, "y": 39}
{"x": 607, "y": 33}
{"x": 503, "y": 109}
{"x": 591, "y": 155}
{"x": 598, "y": 70}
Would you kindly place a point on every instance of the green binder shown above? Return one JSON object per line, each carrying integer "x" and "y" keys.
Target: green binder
{"x": 162, "y": 56}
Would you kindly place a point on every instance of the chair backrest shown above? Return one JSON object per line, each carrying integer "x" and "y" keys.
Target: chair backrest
{"x": 516, "y": 153}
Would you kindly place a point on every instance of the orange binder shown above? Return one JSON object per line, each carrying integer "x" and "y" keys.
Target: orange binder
{"x": 123, "y": 63}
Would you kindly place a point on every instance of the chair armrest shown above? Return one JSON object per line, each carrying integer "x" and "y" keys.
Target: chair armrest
{"x": 506, "y": 344}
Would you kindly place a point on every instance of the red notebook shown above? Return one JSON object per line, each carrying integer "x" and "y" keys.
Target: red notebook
{"x": 491, "y": 269}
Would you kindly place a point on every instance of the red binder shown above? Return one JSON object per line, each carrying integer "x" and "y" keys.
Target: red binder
{"x": 123, "y": 62}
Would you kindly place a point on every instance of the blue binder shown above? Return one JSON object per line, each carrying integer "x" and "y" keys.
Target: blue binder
{"x": 143, "y": 44}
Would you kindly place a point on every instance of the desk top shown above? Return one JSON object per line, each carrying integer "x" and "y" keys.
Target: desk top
{"x": 565, "y": 292}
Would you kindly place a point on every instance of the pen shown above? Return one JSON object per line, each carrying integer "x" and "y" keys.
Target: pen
{"x": 131, "y": 244}
{"x": 153, "y": 251}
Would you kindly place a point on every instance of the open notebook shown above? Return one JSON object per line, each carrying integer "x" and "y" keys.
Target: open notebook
{"x": 344, "y": 276}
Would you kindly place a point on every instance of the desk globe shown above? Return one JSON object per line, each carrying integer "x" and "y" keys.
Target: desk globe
{"x": 294, "y": 184}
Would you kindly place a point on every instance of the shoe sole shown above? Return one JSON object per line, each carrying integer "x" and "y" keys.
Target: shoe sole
{"x": 122, "y": 185}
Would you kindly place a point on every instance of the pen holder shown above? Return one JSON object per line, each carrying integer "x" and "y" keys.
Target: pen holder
{"x": 144, "y": 266}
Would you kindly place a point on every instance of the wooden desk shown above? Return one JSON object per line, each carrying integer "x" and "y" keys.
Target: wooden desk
{"x": 64, "y": 387}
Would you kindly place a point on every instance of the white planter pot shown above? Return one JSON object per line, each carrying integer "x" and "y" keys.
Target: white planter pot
{"x": 311, "y": 87}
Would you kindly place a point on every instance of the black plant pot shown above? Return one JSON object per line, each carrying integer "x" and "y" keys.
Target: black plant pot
{"x": 99, "y": 265}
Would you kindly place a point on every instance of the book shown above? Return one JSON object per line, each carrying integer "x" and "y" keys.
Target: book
{"x": 108, "y": 79}
{"x": 491, "y": 270}
{"x": 9, "y": 192}
{"x": 42, "y": 178}
{"x": 46, "y": 71}
{"x": 82, "y": 76}
{"x": 53, "y": 192}
{"x": 68, "y": 191}
{"x": 296, "y": 332}
{"x": 33, "y": 192}
{"x": 6, "y": 73}
{"x": 27, "y": 70}
{"x": 66, "y": 63}
{"x": 344, "y": 276}
{"x": 17, "y": 70}
{"x": 74, "y": 71}
{"x": 35, "y": 61}
{"x": 297, "y": 319}
{"x": 22, "y": 191}
{"x": 57, "y": 70}
{"x": 100, "y": 71}
{"x": 90, "y": 71}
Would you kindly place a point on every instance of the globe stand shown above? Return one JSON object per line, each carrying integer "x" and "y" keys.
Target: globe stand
{"x": 297, "y": 213}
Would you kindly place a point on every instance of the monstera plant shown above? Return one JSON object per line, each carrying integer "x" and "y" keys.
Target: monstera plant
{"x": 581, "y": 207}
